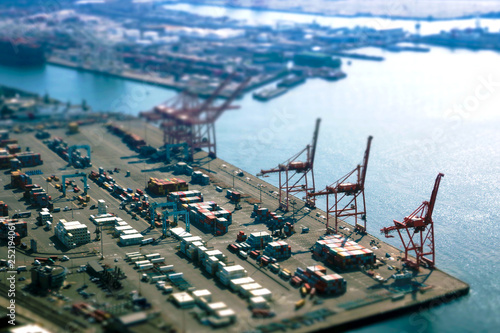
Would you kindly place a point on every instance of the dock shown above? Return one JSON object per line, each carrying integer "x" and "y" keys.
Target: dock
{"x": 365, "y": 301}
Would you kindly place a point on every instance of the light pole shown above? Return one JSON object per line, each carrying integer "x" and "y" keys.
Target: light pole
{"x": 260, "y": 193}
{"x": 102, "y": 253}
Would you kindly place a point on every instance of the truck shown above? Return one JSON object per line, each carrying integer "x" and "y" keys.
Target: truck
{"x": 131, "y": 254}
{"x": 157, "y": 260}
{"x": 147, "y": 241}
{"x": 142, "y": 262}
{"x": 21, "y": 215}
{"x": 152, "y": 255}
{"x": 167, "y": 268}
{"x": 158, "y": 278}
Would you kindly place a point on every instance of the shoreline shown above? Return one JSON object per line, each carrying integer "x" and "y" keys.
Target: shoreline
{"x": 429, "y": 18}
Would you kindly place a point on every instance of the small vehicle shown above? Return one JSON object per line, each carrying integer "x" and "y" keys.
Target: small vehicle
{"x": 243, "y": 255}
{"x": 93, "y": 207}
{"x": 300, "y": 304}
{"x": 262, "y": 313}
{"x": 76, "y": 189}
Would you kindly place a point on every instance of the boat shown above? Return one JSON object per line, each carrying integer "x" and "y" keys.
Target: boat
{"x": 333, "y": 75}
{"x": 21, "y": 52}
{"x": 291, "y": 81}
{"x": 269, "y": 93}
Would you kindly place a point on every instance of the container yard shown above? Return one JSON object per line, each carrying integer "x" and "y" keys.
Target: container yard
{"x": 209, "y": 247}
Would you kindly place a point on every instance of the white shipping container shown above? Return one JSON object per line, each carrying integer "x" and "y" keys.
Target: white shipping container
{"x": 129, "y": 232}
{"x": 167, "y": 268}
{"x": 131, "y": 254}
{"x": 175, "y": 276}
{"x": 145, "y": 266}
{"x": 157, "y": 260}
{"x": 265, "y": 293}
{"x": 206, "y": 294}
{"x": 124, "y": 227}
{"x": 152, "y": 255}
{"x": 258, "y": 302}
{"x": 158, "y": 278}
{"x": 142, "y": 262}
{"x": 138, "y": 258}
{"x": 147, "y": 240}
{"x": 246, "y": 288}
{"x": 236, "y": 283}
{"x": 167, "y": 288}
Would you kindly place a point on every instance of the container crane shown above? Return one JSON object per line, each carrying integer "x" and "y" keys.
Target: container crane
{"x": 419, "y": 229}
{"x": 83, "y": 175}
{"x": 349, "y": 198}
{"x": 294, "y": 175}
{"x": 187, "y": 119}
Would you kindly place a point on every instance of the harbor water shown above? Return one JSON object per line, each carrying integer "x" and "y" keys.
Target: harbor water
{"x": 428, "y": 112}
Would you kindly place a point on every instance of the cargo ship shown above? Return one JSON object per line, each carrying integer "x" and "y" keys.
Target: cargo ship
{"x": 21, "y": 52}
{"x": 291, "y": 81}
{"x": 269, "y": 93}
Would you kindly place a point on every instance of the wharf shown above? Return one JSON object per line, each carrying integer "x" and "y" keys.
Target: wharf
{"x": 365, "y": 301}
{"x": 357, "y": 56}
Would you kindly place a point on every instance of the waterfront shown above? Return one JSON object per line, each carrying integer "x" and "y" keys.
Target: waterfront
{"x": 403, "y": 102}
{"x": 273, "y": 18}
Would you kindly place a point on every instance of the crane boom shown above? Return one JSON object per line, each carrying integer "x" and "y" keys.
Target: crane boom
{"x": 315, "y": 141}
{"x": 214, "y": 95}
{"x": 416, "y": 232}
{"x": 295, "y": 175}
{"x": 430, "y": 209}
{"x": 219, "y": 110}
{"x": 365, "y": 162}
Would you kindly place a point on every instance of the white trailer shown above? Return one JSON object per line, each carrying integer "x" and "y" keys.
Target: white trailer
{"x": 157, "y": 260}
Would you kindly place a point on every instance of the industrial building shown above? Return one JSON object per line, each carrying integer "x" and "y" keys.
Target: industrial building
{"x": 52, "y": 277}
{"x": 72, "y": 234}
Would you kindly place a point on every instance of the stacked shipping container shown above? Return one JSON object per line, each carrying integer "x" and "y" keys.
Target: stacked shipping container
{"x": 4, "y": 209}
{"x": 185, "y": 197}
{"x": 324, "y": 283}
{"x": 198, "y": 177}
{"x": 341, "y": 253}
{"x": 29, "y": 159}
{"x": 165, "y": 186}
{"x": 19, "y": 179}
{"x": 272, "y": 220}
{"x": 279, "y": 250}
{"x": 20, "y": 228}
{"x": 209, "y": 217}
{"x": 259, "y": 240}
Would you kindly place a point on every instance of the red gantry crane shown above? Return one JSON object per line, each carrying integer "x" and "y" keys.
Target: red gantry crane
{"x": 187, "y": 119}
{"x": 349, "y": 197}
{"x": 294, "y": 175}
{"x": 419, "y": 229}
